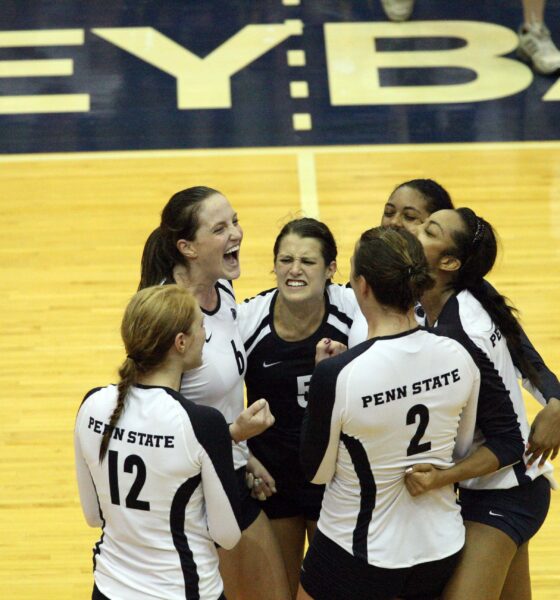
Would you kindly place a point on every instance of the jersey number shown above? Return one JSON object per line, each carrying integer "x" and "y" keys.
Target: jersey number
{"x": 418, "y": 410}
{"x": 238, "y": 358}
{"x": 130, "y": 462}
{"x": 302, "y": 389}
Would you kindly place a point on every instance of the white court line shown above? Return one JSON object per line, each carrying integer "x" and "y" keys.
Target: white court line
{"x": 308, "y": 184}
{"x": 271, "y": 151}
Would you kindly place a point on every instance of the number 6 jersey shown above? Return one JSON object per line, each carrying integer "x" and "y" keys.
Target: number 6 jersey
{"x": 165, "y": 492}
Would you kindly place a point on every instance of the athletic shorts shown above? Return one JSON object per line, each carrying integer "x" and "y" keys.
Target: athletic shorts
{"x": 97, "y": 595}
{"x": 304, "y": 500}
{"x": 250, "y": 508}
{"x": 519, "y": 511}
{"x": 330, "y": 573}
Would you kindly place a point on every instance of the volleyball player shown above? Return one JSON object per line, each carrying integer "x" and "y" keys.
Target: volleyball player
{"x": 408, "y": 206}
{"x": 404, "y": 395}
{"x": 504, "y": 510}
{"x": 280, "y": 329}
{"x": 154, "y": 470}
{"x": 197, "y": 245}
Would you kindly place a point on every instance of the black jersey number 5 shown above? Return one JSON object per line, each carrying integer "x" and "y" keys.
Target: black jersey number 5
{"x": 418, "y": 410}
{"x": 131, "y": 462}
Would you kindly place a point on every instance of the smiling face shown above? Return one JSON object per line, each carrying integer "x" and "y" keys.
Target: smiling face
{"x": 215, "y": 248}
{"x": 301, "y": 273}
{"x": 406, "y": 208}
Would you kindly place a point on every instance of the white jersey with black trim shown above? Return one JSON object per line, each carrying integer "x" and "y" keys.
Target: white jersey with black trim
{"x": 219, "y": 381}
{"x": 387, "y": 404}
{"x": 165, "y": 492}
{"x": 464, "y": 312}
{"x": 280, "y": 371}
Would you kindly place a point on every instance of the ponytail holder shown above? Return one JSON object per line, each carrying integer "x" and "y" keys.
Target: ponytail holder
{"x": 413, "y": 270}
{"x": 479, "y": 232}
{"x": 132, "y": 358}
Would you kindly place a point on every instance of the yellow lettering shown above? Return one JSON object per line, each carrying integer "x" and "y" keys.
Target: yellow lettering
{"x": 354, "y": 63}
{"x": 201, "y": 82}
{"x": 46, "y": 103}
{"x": 553, "y": 93}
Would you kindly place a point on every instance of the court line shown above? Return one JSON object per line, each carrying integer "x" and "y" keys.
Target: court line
{"x": 284, "y": 150}
{"x": 308, "y": 184}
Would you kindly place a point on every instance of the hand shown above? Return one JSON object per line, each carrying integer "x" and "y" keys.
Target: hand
{"x": 259, "y": 480}
{"x": 253, "y": 420}
{"x": 327, "y": 348}
{"x": 421, "y": 478}
{"x": 544, "y": 438}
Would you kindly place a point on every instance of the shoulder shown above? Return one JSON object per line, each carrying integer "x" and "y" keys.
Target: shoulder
{"x": 98, "y": 392}
{"x": 206, "y": 421}
{"x": 259, "y": 302}
{"x": 342, "y": 303}
{"x": 254, "y": 315}
{"x": 331, "y": 368}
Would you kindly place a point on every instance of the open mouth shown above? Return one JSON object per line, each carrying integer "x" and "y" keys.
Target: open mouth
{"x": 295, "y": 283}
{"x": 232, "y": 255}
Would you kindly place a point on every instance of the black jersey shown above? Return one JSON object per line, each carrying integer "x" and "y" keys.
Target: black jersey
{"x": 280, "y": 371}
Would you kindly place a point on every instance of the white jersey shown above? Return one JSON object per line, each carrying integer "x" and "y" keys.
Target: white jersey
{"x": 464, "y": 318}
{"x": 219, "y": 381}
{"x": 464, "y": 312}
{"x": 165, "y": 492}
{"x": 370, "y": 417}
{"x": 385, "y": 405}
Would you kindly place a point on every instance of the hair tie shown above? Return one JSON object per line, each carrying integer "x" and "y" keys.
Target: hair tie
{"x": 479, "y": 232}
{"x": 132, "y": 357}
{"x": 413, "y": 270}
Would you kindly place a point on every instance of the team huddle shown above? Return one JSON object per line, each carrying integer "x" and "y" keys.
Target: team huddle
{"x": 384, "y": 423}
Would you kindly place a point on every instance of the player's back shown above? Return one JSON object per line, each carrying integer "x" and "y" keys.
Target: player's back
{"x": 397, "y": 402}
{"x": 150, "y": 493}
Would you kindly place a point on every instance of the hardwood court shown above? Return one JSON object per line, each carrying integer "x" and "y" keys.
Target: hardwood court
{"x": 72, "y": 236}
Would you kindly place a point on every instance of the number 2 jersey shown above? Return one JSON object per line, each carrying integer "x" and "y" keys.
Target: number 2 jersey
{"x": 219, "y": 381}
{"x": 280, "y": 371}
{"x": 164, "y": 493}
{"x": 385, "y": 405}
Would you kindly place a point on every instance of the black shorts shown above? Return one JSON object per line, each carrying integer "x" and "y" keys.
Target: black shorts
{"x": 519, "y": 512}
{"x": 304, "y": 500}
{"x": 330, "y": 573}
{"x": 250, "y": 508}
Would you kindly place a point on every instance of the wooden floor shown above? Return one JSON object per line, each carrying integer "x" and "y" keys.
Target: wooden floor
{"x": 73, "y": 228}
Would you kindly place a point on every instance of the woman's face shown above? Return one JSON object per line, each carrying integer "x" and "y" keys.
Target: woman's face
{"x": 406, "y": 208}
{"x": 435, "y": 235}
{"x": 193, "y": 354}
{"x": 218, "y": 239}
{"x": 301, "y": 273}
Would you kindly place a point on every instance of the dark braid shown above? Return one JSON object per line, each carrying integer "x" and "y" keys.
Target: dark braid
{"x": 476, "y": 247}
